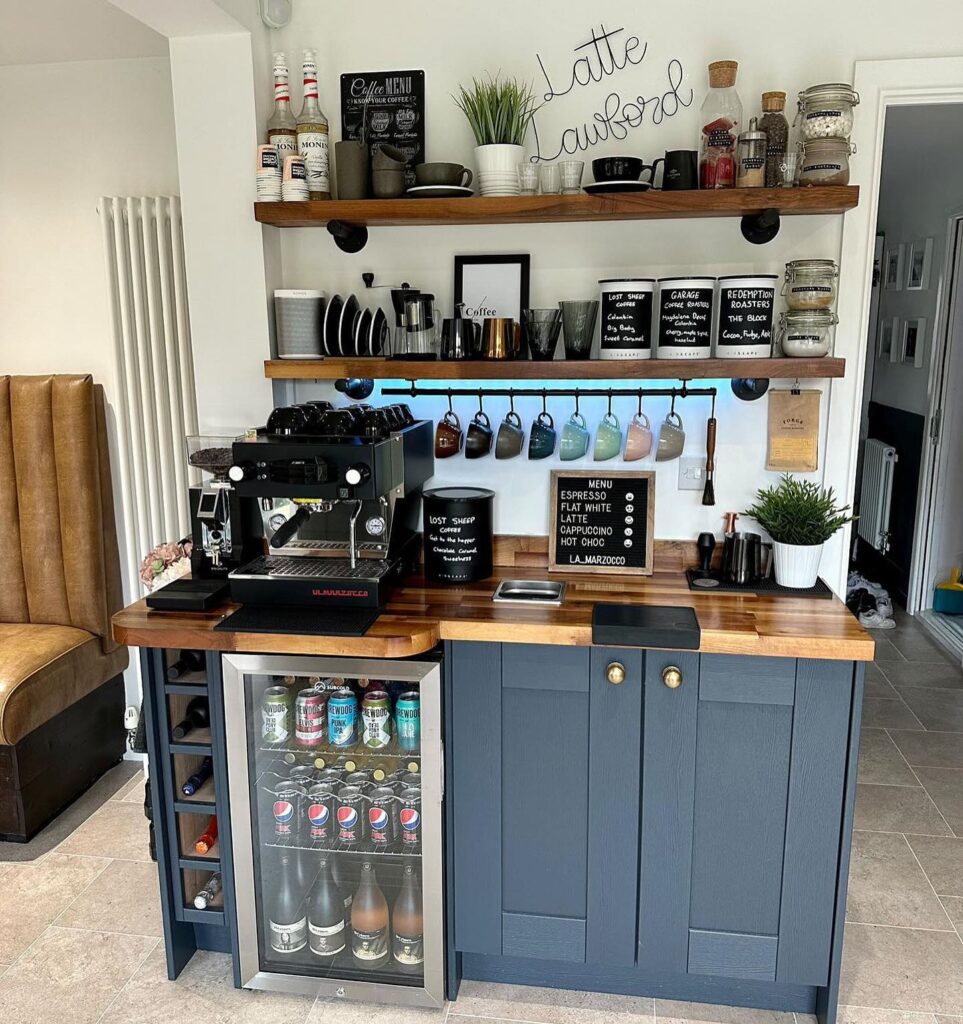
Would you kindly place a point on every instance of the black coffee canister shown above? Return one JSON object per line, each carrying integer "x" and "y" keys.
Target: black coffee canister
{"x": 459, "y": 525}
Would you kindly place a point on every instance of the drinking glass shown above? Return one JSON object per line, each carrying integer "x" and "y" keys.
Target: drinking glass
{"x": 789, "y": 169}
{"x": 578, "y": 326}
{"x": 570, "y": 172}
{"x": 527, "y": 179}
{"x": 549, "y": 179}
{"x": 542, "y": 328}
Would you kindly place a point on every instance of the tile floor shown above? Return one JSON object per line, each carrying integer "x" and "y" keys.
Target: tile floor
{"x": 80, "y": 920}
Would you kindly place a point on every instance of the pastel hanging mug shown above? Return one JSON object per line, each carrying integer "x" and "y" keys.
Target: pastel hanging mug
{"x": 608, "y": 438}
{"x": 575, "y": 438}
{"x": 541, "y": 441}
{"x": 638, "y": 438}
{"x": 671, "y": 438}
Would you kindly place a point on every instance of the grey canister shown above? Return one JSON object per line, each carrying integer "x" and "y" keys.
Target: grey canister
{"x": 298, "y": 313}
{"x": 685, "y": 317}
{"x": 625, "y": 324}
{"x": 459, "y": 529}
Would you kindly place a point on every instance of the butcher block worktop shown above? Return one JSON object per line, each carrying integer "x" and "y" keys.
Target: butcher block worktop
{"x": 421, "y": 614}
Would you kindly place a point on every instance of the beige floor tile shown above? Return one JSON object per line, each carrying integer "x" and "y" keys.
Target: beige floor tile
{"x": 883, "y": 713}
{"x": 549, "y": 1005}
{"x": 945, "y": 786}
{"x": 880, "y": 763}
{"x": 125, "y": 897}
{"x": 897, "y": 809}
{"x": 954, "y": 908}
{"x": 117, "y": 830}
{"x": 870, "y": 1015}
{"x": 203, "y": 994}
{"x": 902, "y": 969}
{"x": 887, "y": 885}
{"x": 342, "y": 1011}
{"x": 943, "y": 1019}
{"x": 671, "y": 1011}
{"x": 32, "y": 895}
{"x": 133, "y": 792}
{"x": 70, "y": 977}
{"x": 942, "y": 860}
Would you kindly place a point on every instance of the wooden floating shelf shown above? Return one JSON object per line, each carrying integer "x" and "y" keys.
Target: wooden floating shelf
{"x": 560, "y": 369}
{"x": 651, "y": 205}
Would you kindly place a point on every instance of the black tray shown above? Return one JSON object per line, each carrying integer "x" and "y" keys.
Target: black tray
{"x": 769, "y": 586}
{"x": 645, "y": 625}
{"x": 315, "y": 621}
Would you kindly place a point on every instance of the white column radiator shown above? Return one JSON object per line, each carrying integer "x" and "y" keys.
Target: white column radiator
{"x": 156, "y": 404}
{"x": 876, "y": 494}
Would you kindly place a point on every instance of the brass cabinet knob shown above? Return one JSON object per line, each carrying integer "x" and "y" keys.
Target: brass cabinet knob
{"x": 615, "y": 673}
{"x": 672, "y": 677}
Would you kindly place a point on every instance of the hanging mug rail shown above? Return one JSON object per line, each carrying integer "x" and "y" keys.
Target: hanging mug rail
{"x": 414, "y": 391}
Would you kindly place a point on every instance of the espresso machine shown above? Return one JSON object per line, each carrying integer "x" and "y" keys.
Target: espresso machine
{"x": 339, "y": 493}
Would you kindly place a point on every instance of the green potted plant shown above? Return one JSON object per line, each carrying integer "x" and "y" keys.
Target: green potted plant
{"x": 800, "y": 516}
{"x": 499, "y": 112}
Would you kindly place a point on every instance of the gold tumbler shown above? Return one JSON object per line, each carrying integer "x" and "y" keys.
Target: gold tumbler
{"x": 501, "y": 338}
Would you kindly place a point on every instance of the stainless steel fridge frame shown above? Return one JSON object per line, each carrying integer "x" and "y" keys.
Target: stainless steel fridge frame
{"x": 428, "y": 675}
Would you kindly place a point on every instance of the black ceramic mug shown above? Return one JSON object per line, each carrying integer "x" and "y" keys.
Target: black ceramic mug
{"x": 478, "y": 438}
{"x": 542, "y": 440}
{"x": 681, "y": 170}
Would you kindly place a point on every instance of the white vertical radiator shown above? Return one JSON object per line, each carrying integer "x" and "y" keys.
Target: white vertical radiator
{"x": 156, "y": 403}
{"x": 876, "y": 494}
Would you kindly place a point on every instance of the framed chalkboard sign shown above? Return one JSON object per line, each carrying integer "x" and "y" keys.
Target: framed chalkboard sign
{"x": 601, "y": 521}
{"x": 390, "y": 106}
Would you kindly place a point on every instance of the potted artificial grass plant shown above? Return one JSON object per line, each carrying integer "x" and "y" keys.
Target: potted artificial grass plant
{"x": 499, "y": 112}
{"x": 800, "y": 517}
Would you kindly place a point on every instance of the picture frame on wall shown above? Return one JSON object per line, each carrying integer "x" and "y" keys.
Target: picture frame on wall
{"x": 893, "y": 267}
{"x": 492, "y": 285}
{"x": 889, "y": 339}
{"x": 919, "y": 265}
{"x": 914, "y": 341}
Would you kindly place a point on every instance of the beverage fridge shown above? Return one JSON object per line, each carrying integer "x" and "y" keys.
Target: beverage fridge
{"x": 336, "y": 774}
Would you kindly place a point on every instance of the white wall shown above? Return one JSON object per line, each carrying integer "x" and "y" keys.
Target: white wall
{"x": 921, "y": 186}
{"x": 114, "y": 136}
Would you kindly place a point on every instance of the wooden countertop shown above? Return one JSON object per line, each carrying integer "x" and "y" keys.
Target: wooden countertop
{"x": 421, "y": 614}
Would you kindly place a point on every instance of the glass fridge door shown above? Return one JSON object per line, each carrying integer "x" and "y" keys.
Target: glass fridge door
{"x": 335, "y": 777}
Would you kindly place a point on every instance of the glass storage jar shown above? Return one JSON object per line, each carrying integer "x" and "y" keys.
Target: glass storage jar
{"x": 810, "y": 284}
{"x": 826, "y": 111}
{"x": 825, "y": 162}
{"x": 807, "y": 334}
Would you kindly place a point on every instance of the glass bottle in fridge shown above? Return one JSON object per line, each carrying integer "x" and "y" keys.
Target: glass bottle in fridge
{"x": 721, "y": 123}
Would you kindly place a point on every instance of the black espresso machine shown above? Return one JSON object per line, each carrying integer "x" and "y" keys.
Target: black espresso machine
{"x": 339, "y": 492}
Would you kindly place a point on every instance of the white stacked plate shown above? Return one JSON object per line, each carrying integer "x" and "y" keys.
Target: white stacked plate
{"x": 298, "y": 315}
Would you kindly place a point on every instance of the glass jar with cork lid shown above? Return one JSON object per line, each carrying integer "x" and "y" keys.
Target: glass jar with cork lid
{"x": 776, "y": 127}
{"x": 721, "y": 120}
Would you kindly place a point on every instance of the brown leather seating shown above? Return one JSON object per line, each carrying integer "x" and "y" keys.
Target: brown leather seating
{"x": 59, "y": 568}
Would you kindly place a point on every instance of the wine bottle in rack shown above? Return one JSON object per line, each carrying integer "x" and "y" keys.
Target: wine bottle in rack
{"x": 408, "y": 923}
{"x": 189, "y": 661}
{"x": 369, "y": 921}
{"x": 326, "y": 932}
{"x": 195, "y": 781}
{"x": 206, "y": 840}
{"x": 205, "y": 896}
{"x": 197, "y": 716}
{"x": 287, "y": 921}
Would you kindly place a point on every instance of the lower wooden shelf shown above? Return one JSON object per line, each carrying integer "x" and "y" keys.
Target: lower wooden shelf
{"x": 558, "y": 369}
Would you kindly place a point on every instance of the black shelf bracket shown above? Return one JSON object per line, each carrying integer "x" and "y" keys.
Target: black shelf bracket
{"x": 748, "y": 389}
{"x": 348, "y": 237}
{"x": 760, "y": 227}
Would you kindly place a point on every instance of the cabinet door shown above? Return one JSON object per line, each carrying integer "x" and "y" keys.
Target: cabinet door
{"x": 545, "y": 771}
{"x": 742, "y": 804}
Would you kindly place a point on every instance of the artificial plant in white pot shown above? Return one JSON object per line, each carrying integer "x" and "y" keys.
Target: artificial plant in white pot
{"x": 499, "y": 112}
{"x": 800, "y": 516}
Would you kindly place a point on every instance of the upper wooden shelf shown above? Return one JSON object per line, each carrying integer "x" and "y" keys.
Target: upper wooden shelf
{"x": 651, "y": 205}
{"x": 559, "y": 369}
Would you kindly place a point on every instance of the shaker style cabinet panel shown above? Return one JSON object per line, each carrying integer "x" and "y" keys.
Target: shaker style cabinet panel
{"x": 545, "y": 772}
{"x": 742, "y": 803}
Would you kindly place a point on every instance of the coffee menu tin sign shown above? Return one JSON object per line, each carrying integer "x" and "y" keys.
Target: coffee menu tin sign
{"x": 601, "y": 522}
{"x": 390, "y": 107}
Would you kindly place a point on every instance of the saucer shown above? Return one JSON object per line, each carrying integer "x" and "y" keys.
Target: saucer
{"x": 602, "y": 187}
{"x": 439, "y": 191}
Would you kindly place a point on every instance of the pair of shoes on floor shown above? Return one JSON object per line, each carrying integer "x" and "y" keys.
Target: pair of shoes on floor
{"x": 872, "y": 619}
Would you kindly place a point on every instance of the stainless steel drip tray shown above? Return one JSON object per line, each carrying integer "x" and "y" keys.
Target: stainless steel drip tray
{"x": 530, "y": 592}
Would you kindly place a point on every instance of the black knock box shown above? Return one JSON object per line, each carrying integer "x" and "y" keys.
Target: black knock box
{"x": 642, "y": 625}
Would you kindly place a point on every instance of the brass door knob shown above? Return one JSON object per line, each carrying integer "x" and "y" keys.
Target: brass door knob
{"x": 615, "y": 673}
{"x": 672, "y": 677}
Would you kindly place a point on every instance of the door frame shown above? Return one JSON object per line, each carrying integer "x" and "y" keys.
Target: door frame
{"x": 881, "y": 84}
{"x": 945, "y": 379}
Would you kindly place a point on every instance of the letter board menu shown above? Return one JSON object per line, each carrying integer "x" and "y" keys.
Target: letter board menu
{"x": 601, "y": 521}
{"x": 391, "y": 107}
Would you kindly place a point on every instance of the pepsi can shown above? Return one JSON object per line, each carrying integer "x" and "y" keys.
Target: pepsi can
{"x": 351, "y": 816}
{"x": 408, "y": 720}
{"x": 321, "y": 805}
{"x": 383, "y": 817}
{"x": 343, "y": 718}
{"x": 288, "y": 802}
{"x": 409, "y": 817}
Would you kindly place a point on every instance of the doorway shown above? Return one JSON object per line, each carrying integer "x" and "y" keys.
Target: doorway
{"x": 910, "y": 534}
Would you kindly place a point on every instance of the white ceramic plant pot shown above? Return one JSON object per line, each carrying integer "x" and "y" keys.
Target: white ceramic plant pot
{"x": 497, "y": 167}
{"x": 797, "y": 565}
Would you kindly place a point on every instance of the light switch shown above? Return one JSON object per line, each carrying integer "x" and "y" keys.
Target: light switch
{"x": 692, "y": 473}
